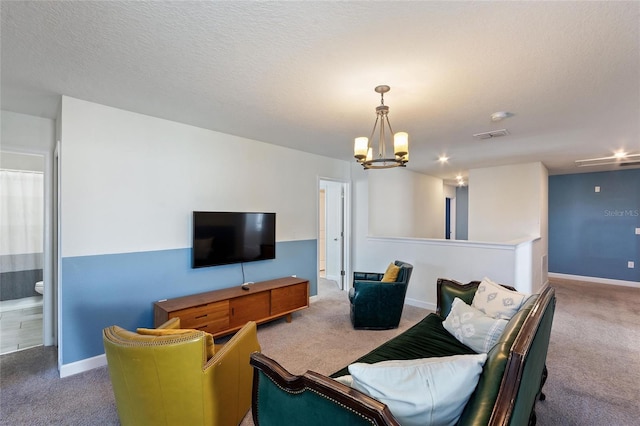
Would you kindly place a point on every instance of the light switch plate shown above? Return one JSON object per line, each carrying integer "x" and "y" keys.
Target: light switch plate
{"x": 597, "y": 189}
{"x": 637, "y": 231}
{"x": 631, "y": 264}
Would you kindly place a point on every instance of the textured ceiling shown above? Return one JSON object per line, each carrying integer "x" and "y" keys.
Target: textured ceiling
{"x": 301, "y": 74}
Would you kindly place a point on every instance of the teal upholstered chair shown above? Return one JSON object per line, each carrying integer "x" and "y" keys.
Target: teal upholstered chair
{"x": 377, "y": 305}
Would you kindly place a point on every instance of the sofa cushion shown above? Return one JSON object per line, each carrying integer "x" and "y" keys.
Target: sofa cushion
{"x": 391, "y": 274}
{"x": 208, "y": 338}
{"x": 427, "y": 391}
{"x": 473, "y": 327}
{"x": 425, "y": 339}
{"x": 497, "y": 301}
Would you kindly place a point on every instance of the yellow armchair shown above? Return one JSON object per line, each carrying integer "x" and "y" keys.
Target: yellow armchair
{"x": 167, "y": 379}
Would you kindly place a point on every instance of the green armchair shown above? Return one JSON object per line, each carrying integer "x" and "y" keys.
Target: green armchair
{"x": 377, "y": 305}
{"x": 166, "y": 379}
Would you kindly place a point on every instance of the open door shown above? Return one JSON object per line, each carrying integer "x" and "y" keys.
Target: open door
{"x": 332, "y": 231}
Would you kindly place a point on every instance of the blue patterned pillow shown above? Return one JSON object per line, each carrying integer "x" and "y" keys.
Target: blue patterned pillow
{"x": 472, "y": 327}
{"x": 497, "y": 301}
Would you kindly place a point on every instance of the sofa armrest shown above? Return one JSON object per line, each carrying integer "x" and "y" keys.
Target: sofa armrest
{"x": 283, "y": 399}
{"x": 230, "y": 376}
{"x": 525, "y": 370}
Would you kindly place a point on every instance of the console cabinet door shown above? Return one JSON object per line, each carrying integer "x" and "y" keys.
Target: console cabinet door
{"x": 289, "y": 298}
{"x": 251, "y": 307}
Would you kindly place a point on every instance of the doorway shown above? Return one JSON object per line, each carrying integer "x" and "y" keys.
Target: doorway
{"x": 22, "y": 250}
{"x": 450, "y": 218}
{"x": 333, "y": 235}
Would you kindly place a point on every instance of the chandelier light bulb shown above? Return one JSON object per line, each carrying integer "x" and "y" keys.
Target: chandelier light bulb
{"x": 360, "y": 147}
{"x": 401, "y": 144}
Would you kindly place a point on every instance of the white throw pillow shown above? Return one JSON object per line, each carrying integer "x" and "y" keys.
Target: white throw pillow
{"x": 473, "y": 327}
{"x": 419, "y": 392}
{"x": 345, "y": 380}
{"x": 497, "y": 301}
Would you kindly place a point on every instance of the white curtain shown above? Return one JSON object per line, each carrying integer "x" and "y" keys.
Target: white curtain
{"x": 21, "y": 213}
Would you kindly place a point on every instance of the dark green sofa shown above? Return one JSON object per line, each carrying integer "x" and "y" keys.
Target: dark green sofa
{"x": 509, "y": 385}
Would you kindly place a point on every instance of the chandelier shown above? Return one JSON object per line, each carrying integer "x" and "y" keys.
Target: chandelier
{"x": 363, "y": 150}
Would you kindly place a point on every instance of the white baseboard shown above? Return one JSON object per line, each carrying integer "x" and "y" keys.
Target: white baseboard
{"x": 421, "y": 304}
{"x": 595, "y": 280}
{"x": 82, "y": 365}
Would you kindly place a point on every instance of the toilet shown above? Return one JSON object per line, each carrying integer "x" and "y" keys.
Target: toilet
{"x": 39, "y": 287}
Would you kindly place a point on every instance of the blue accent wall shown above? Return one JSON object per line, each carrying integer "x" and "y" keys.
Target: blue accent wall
{"x": 592, "y": 233}
{"x": 103, "y": 290}
{"x": 462, "y": 213}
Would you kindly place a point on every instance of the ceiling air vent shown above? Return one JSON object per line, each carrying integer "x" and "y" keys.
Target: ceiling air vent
{"x": 630, "y": 163}
{"x": 491, "y": 134}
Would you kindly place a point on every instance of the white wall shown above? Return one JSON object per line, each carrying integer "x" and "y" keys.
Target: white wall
{"x": 126, "y": 175}
{"x": 505, "y": 203}
{"x": 403, "y": 203}
{"x": 509, "y": 203}
{"x": 449, "y": 191}
{"x": 31, "y": 134}
{"x": 129, "y": 184}
{"x": 511, "y": 252}
{"x": 463, "y": 261}
{"x": 541, "y": 247}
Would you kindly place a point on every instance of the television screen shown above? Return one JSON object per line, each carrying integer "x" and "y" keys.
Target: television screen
{"x": 221, "y": 238}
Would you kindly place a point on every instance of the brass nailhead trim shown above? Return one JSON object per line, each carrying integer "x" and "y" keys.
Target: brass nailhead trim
{"x": 322, "y": 395}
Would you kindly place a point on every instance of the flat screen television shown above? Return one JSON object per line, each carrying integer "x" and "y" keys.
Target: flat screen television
{"x": 222, "y": 238}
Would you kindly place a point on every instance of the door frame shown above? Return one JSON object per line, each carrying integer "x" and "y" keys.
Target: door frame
{"x": 345, "y": 256}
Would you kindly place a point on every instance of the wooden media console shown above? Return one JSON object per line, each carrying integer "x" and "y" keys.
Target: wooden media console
{"x": 225, "y": 311}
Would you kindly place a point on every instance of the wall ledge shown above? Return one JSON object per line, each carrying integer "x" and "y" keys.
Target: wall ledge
{"x": 510, "y": 245}
{"x": 596, "y": 280}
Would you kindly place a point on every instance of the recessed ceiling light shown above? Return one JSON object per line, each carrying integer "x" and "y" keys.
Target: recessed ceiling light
{"x": 443, "y": 159}
{"x": 500, "y": 115}
{"x": 620, "y": 154}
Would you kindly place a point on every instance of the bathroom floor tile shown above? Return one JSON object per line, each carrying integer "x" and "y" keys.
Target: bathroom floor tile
{"x": 10, "y": 323}
{"x": 32, "y": 311}
{"x": 20, "y": 329}
{"x": 32, "y": 324}
{"x": 12, "y": 314}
